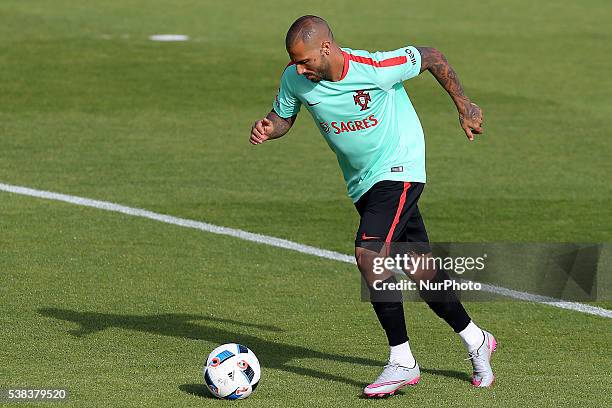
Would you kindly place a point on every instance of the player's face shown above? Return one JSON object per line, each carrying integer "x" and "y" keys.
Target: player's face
{"x": 310, "y": 61}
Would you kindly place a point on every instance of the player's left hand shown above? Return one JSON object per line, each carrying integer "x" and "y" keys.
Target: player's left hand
{"x": 470, "y": 118}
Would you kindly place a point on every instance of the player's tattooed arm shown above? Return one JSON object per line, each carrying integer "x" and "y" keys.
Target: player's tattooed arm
{"x": 270, "y": 127}
{"x": 470, "y": 115}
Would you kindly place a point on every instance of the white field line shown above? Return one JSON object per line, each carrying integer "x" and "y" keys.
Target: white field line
{"x": 276, "y": 242}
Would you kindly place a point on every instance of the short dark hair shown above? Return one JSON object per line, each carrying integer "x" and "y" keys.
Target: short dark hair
{"x": 305, "y": 28}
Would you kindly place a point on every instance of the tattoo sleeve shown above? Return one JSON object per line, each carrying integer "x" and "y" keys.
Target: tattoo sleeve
{"x": 281, "y": 125}
{"x": 435, "y": 62}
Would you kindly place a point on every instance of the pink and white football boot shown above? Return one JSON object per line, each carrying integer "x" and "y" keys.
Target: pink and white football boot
{"x": 481, "y": 361}
{"x": 392, "y": 378}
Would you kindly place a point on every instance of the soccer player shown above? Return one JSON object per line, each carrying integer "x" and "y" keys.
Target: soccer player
{"x": 359, "y": 104}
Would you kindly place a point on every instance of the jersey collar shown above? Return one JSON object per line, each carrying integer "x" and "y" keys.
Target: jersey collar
{"x": 346, "y": 65}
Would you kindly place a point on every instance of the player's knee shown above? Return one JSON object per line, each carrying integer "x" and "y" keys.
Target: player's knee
{"x": 425, "y": 271}
{"x": 364, "y": 258}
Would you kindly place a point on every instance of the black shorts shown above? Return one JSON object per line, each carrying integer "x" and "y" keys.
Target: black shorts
{"x": 389, "y": 213}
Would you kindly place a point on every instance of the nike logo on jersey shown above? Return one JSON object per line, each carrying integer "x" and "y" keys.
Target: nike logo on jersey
{"x": 313, "y": 104}
{"x": 364, "y": 237}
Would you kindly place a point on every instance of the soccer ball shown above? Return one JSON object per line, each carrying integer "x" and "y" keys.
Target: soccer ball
{"x": 232, "y": 371}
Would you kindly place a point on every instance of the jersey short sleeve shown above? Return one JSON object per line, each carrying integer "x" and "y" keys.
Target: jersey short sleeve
{"x": 396, "y": 66}
{"x": 286, "y": 104}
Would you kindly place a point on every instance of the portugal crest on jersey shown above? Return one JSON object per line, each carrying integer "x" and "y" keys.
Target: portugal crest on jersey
{"x": 362, "y": 98}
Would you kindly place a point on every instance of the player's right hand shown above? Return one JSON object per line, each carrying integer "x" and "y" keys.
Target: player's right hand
{"x": 261, "y": 131}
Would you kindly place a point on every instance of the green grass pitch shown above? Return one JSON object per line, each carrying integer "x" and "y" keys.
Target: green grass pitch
{"x": 122, "y": 311}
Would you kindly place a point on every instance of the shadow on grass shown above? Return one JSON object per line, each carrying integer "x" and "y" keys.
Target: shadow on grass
{"x": 271, "y": 354}
{"x": 199, "y": 390}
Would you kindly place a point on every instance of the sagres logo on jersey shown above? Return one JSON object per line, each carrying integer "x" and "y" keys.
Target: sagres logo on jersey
{"x": 362, "y": 98}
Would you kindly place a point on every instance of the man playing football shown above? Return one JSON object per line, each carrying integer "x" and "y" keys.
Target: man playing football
{"x": 361, "y": 108}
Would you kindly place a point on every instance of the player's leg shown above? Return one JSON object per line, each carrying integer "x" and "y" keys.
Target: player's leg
{"x": 446, "y": 305}
{"x": 378, "y": 209}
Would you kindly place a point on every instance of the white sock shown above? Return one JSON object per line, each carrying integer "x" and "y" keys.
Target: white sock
{"x": 402, "y": 355}
{"x": 472, "y": 336}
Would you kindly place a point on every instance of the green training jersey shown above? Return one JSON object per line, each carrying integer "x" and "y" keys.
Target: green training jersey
{"x": 366, "y": 117}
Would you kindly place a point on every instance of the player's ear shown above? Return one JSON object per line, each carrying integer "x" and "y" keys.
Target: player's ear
{"x": 325, "y": 47}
